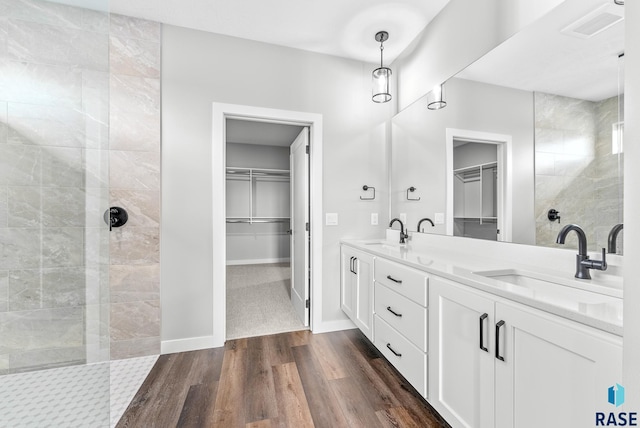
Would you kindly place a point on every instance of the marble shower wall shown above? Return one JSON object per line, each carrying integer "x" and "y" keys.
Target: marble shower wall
{"x": 576, "y": 173}
{"x": 54, "y": 136}
{"x": 135, "y": 185}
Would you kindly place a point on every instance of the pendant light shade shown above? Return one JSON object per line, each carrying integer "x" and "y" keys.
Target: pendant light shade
{"x": 381, "y": 76}
{"x": 436, "y": 99}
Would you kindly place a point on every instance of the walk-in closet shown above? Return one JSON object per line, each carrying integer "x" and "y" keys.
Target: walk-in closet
{"x": 475, "y": 190}
{"x": 258, "y": 229}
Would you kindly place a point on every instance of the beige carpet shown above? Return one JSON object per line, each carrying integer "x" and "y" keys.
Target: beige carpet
{"x": 258, "y": 301}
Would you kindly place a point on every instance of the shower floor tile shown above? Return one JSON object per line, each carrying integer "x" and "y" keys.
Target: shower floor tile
{"x": 126, "y": 378}
{"x": 74, "y": 396}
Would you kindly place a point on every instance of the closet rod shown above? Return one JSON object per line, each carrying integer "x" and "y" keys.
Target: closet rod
{"x": 235, "y": 220}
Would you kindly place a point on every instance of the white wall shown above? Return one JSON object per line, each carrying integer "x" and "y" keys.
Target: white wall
{"x": 632, "y": 206}
{"x": 200, "y": 68}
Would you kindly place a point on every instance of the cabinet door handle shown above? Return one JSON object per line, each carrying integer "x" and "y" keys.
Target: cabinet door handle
{"x": 498, "y": 356}
{"x": 355, "y": 265}
{"x": 482, "y": 318}
{"x": 397, "y": 281}
{"x": 393, "y": 312}
{"x": 351, "y": 266}
{"x": 394, "y": 352}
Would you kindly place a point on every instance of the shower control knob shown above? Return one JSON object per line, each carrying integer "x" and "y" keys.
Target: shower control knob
{"x": 116, "y": 217}
{"x": 553, "y": 215}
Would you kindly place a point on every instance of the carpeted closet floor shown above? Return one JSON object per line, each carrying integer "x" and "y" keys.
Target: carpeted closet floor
{"x": 258, "y": 300}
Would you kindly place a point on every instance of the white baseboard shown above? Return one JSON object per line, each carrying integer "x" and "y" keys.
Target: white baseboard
{"x": 328, "y": 326}
{"x": 188, "y": 344}
{"x": 257, "y": 261}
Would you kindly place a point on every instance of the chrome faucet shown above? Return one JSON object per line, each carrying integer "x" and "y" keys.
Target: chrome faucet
{"x": 424, "y": 219}
{"x": 583, "y": 263}
{"x": 403, "y": 235}
{"x": 612, "y": 241}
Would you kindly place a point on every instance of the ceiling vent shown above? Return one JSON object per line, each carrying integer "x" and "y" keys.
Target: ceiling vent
{"x": 595, "y": 22}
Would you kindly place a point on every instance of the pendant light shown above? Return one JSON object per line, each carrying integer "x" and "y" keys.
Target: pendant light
{"x": 435, "y": 98}
{"x": 381, "y": 75}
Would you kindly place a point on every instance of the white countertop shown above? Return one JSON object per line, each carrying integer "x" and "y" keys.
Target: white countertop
{"x": 596, "y": 303}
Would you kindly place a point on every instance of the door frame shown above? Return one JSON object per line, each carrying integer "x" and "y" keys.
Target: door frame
{"x": 221, "y": 112}
{"x": 505, "y": 176}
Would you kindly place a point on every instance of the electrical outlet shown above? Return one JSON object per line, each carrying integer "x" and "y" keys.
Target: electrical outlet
{"x": 374, "y": 219}
{"x": 439, "y": 218}
{"x": 403, "y": 218}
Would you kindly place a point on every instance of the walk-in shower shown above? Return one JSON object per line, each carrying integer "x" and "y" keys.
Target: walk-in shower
{"x": 54, "y": 177}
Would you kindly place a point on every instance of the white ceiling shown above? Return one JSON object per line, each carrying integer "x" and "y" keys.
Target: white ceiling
{"x": 261, "y": 133}
{"x": 343, "y": 28}
{"x": 544, "y": 59}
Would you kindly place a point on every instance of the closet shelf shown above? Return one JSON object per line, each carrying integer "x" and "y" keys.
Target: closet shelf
{"x": 480, "y": 220}
{"x": 472, "y": 173}
{"x": 256, "y": 173}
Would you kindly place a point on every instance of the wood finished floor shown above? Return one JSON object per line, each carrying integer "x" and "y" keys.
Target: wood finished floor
{"x": 293, "y": 379}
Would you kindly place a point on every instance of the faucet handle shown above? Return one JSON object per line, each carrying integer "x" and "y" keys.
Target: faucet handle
{"x": 596, "y": 264}
{"x": 603, "y": 265}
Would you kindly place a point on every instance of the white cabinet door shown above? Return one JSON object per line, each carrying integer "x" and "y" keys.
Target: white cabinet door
{"x": 364, "y": 294}
{"x": 555, "y": 372}
{"x": 461, "y": 361}
{"x": 348, "y": 281}
{"x": 356, "y": 294}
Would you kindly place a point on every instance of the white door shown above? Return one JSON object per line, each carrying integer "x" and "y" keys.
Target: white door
{"x": 299, "y": 160}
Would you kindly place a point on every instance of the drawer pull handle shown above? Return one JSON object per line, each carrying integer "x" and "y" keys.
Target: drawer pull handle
{"x": 397, "y": 281}
{"x": 394, "y": 352}
{"x": 393, "y": 312}
{"x": 482, "y": 318}
{"x": 498, "y": 356}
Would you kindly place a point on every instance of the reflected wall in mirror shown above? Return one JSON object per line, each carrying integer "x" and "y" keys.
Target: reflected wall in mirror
{"x": 555, "y": 93}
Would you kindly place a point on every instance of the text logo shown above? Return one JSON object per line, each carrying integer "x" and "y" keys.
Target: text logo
{"x": 616, "y": 395}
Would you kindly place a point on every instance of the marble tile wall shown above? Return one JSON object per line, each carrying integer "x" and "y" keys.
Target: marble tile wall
{"x": 135, "y": 185}
{"x": 54, "y": 99}
{"x": 576, "y": 172}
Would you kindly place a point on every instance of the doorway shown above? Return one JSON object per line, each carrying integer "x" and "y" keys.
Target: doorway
{"x": 266, "y": 242}
{"x": 479, "y": 190}
{"x": 306, "y": 299}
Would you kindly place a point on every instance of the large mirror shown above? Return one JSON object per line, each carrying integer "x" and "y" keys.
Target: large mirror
{"x": 530, "y": 139}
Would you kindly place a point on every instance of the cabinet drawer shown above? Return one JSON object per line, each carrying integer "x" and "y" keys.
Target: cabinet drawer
{"x": 409, "y": 282}
{"x": 406, "y": 316}
{"x": 411, "y": 361}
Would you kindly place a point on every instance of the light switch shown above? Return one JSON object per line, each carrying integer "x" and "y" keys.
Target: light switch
{"x": 374, "y": 219}
{"x": 439, "y": 218}
{"x": 331, "y": 219}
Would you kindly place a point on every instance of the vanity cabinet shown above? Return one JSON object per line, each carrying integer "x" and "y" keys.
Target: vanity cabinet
{"x": 356, "y": 288}
{"x": 495, "y": 363}
{"x": 400, "y": 319}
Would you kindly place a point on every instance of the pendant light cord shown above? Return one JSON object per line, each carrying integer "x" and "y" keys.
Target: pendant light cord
{"x": 381, "y": 49}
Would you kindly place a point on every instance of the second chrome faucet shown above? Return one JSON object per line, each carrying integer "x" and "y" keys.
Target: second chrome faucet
{"x": 583, "y": 262}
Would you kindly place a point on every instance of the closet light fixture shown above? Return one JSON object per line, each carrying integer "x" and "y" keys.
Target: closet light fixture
{"x": 435, "y": 98}
{"x": 381, "y": 75}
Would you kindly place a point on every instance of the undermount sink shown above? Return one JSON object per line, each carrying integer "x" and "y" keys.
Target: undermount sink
{"x": 385, "y": 245}
{"x": 537, "y": 283}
